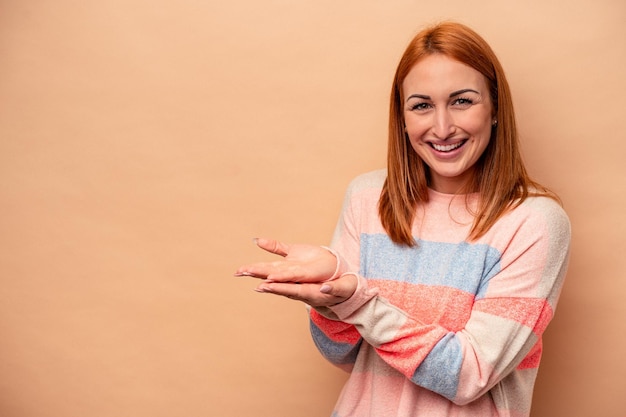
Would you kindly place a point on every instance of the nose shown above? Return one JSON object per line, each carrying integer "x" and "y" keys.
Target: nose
{"x": 443, "y": 124}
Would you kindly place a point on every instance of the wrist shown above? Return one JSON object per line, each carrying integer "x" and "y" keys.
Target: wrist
{"x": 339, "y": 264}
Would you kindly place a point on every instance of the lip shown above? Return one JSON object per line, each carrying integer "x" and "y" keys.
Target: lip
{"x": 445, "y": 152}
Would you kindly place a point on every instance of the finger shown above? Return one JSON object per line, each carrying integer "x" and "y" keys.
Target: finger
{"x": 281, "y": 271}
{"x": 342, "y": 288}
{"x": 308, "y": 293}
{"x": 287, "y": 272}
{"x": 258, "y": 270}
{"x": 273, "y": 246}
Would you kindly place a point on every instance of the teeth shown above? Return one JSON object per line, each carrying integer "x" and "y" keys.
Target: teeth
{"x": 446, "y": 148}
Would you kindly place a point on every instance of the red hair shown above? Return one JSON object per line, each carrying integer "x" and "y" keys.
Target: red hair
{"x": 500, "y": 176}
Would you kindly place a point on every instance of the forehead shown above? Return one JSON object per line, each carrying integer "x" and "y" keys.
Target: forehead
{"x": 440, "y": 73}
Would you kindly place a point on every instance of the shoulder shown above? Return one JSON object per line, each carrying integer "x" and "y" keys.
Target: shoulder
{"x": 537, "y": 227}
{"x": 541, "y": 215}
{"x": 364, "y": 191}
{"x": 373, "y": 180}
{"x": 546, "y": 209}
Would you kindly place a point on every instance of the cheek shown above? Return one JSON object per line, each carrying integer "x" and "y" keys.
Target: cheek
{"x": 420, "y": 147}
{"x": 415, "y": 129}
{"x": 415, "y": 139}
{"x": 484, "y": 129}
{"x": 476, "y": 124}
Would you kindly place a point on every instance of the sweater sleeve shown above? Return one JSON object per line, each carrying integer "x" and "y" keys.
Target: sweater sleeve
{"x": 339, "y": 341}
{"x": 507, "y": 317}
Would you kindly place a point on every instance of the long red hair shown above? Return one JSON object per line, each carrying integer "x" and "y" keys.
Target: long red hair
{"x": 500, "y": 176}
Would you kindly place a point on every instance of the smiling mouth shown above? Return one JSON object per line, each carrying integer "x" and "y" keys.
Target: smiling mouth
{"x": 447, "y": 148}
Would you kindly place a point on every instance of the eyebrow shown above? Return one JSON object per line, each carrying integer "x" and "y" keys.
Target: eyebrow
{"x": 453, "y": 94}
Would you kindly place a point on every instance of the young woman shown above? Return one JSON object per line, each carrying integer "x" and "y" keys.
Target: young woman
{"x": 445, "y": 268}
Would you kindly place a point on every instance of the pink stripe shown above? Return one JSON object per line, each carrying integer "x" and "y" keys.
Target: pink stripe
{"x": 531, "y": 312}
{"x": 445, "y": 306}
{"x": 533, "y": 358}
{"x": 337, "y": 331}
{"x": 414, "y": 342}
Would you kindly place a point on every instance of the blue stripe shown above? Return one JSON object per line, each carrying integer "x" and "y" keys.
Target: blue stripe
{"x": 336, "y": 352}
{"x": 465, "y": 266}
{"x": 440, "y": 371}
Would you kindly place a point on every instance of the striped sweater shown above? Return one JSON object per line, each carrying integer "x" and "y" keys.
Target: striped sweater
{"x": 448, "y": 327}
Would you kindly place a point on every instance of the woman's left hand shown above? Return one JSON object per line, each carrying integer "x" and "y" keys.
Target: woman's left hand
{"x": 314, "y": 294}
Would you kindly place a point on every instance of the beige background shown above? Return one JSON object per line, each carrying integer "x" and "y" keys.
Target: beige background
{"x": 143, "y": 143}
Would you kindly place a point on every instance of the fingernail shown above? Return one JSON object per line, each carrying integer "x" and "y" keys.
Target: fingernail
{"x": 325, "y": 288}
{"x": 255, "y": 240}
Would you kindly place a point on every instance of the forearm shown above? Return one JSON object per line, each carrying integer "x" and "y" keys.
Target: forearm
{"x": 337, "y": 341}
{"x": 460, "y": 364}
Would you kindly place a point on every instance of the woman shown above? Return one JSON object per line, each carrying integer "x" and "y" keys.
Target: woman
{"x": 445, "y": 269}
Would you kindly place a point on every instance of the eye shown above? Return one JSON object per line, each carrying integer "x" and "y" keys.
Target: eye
{"x": 420, "y": 106}
{"x": 462, "y": 102}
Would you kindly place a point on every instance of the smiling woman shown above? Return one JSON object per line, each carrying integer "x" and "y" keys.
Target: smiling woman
{"x": 445, "y": 269}
{"x": 449, "y": 128}
{"x": 497, "y": 173}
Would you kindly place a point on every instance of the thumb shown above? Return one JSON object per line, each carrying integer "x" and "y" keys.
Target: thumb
{"x": 273, "y": 246}
{"x": 343, "y": 288}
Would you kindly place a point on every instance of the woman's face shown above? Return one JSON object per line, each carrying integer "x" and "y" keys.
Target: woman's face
{"x": 448, "y": 117}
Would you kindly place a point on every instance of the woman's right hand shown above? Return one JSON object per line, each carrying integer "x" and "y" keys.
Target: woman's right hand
{"x": 301, "y": 263}
{"x": 303, "y": 274}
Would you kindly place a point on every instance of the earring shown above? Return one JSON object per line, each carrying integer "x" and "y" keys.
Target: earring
{"x": 495, "y": 123}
